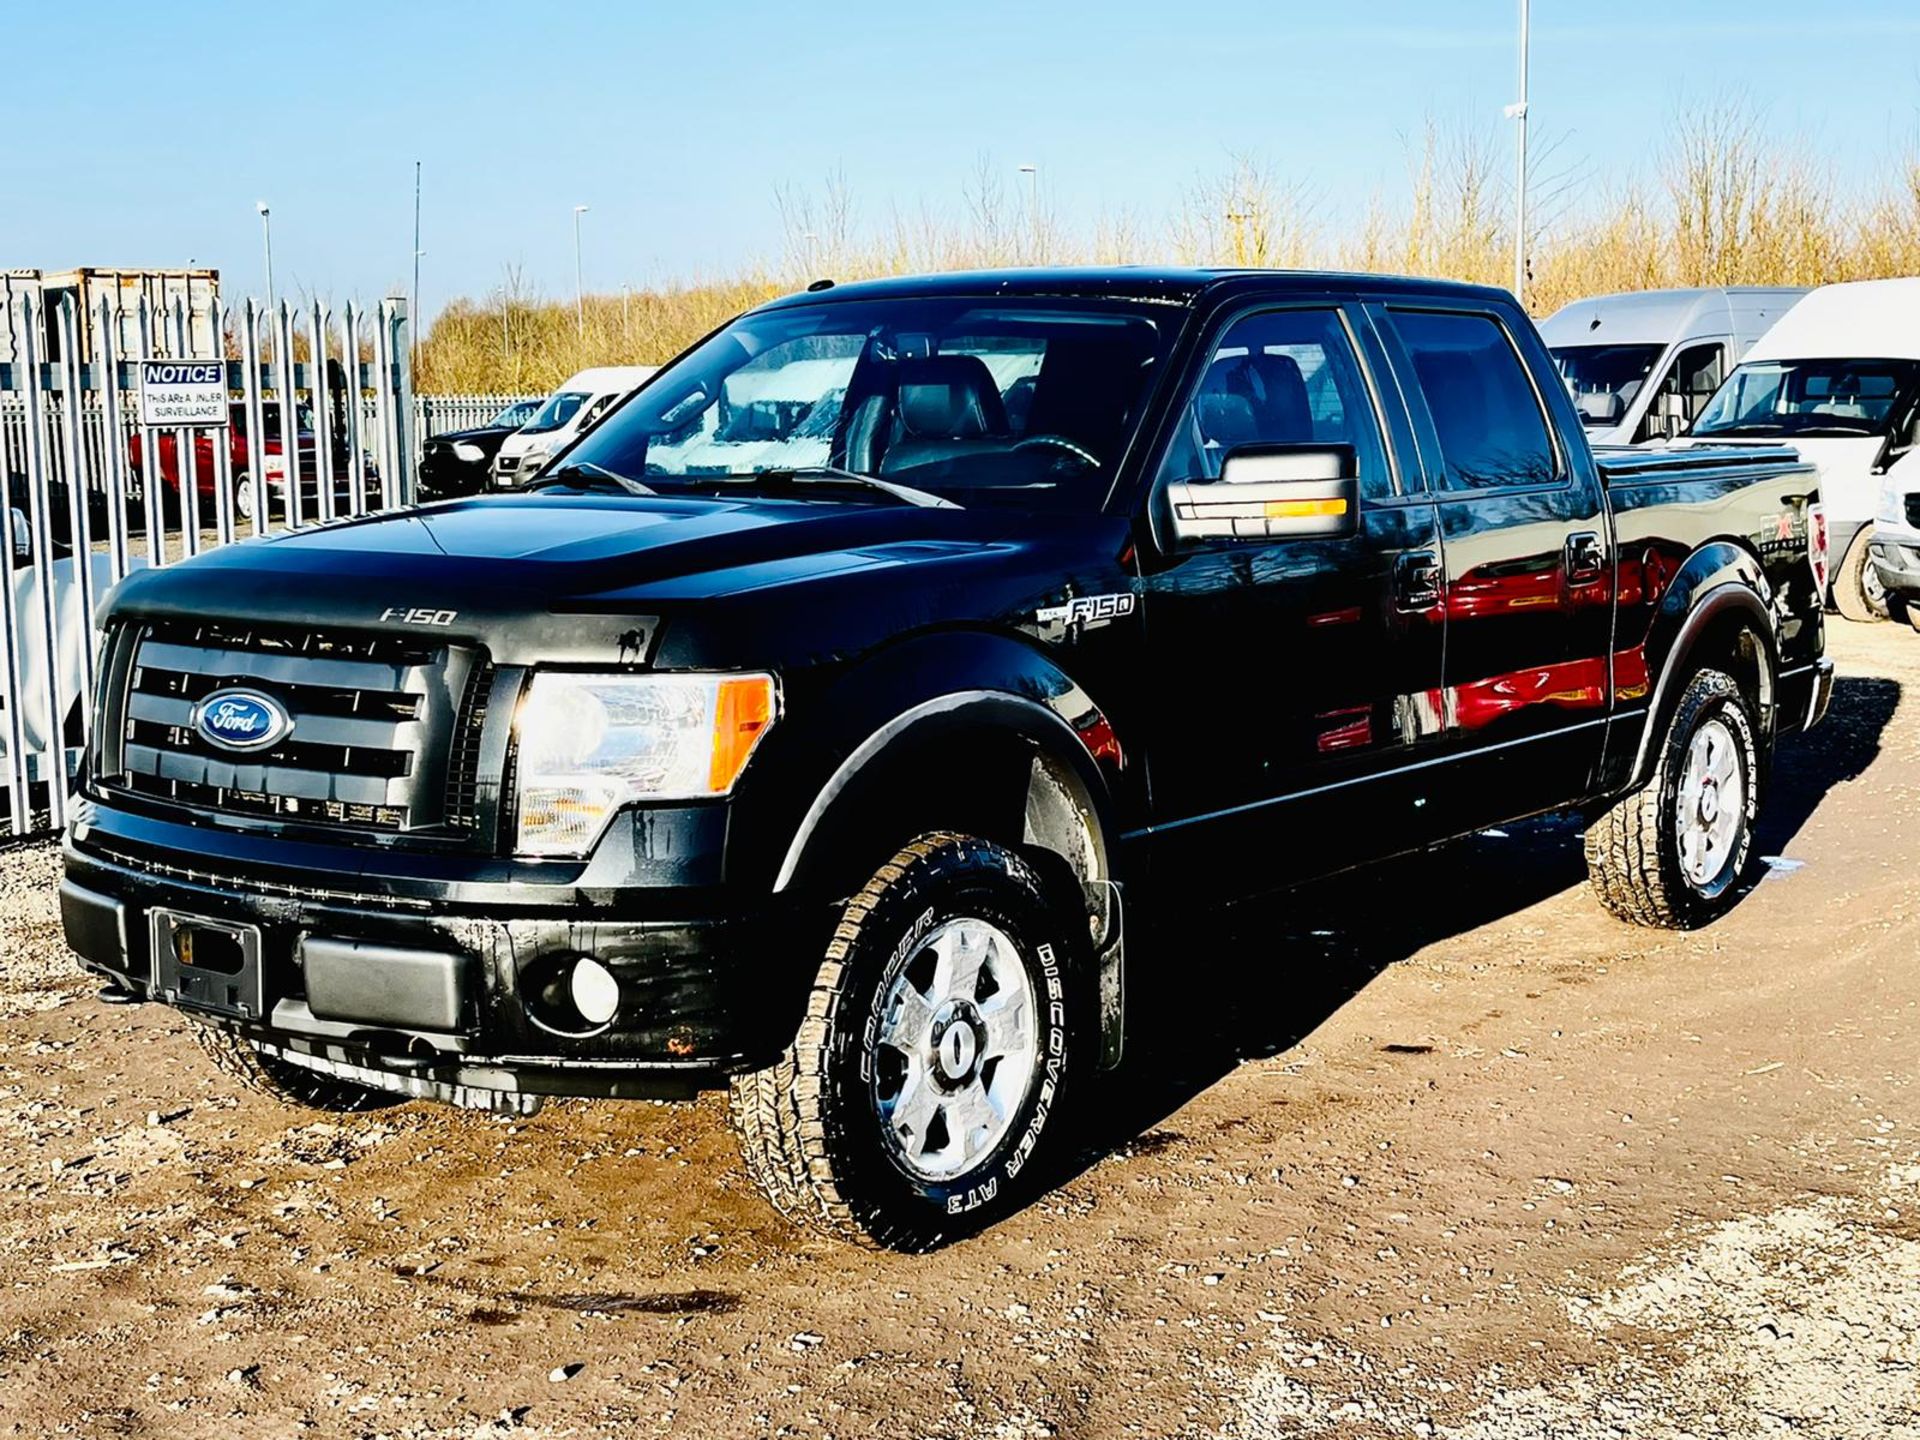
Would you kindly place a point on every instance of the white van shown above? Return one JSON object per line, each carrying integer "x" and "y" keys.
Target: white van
{"x": 1641, "y": 365}
{"x": 1838, "y": 378}
{"x": 566, "y": 413}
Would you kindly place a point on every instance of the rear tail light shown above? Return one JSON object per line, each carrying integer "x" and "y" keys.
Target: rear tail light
{"x": 1817, "y": 547}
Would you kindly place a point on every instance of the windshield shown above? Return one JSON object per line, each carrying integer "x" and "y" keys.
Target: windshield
{"x": 1811, "y": 397}
{"x": 515, "y": 415}
{"x": 1025, "y": 402}
{"x": 1603, "y": 379}
{"x": 559, "y": 409}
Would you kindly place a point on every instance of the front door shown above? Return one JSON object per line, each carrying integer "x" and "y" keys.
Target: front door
{"x": 1290, "y": 677}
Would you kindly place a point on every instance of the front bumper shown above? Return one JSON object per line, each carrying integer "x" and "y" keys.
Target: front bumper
{"x": 1896, "y": 555}
{"x": 455, "y": 1002}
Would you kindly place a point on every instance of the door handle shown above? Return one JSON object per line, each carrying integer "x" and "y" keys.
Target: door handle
{"x": 1586, "y": 557}
{"x": 1416, "y": 580}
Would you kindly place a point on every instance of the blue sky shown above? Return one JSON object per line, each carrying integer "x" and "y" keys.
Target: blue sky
{"x": 677, "y": 121}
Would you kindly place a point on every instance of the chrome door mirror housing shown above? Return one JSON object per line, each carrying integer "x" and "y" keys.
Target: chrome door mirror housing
{"x": 1271, "y": 492}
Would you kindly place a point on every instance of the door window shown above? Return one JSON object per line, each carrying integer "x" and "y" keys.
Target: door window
{"x": 1695, "y": 375}
{"x": 1279, "y": 377}
{"x": 1486, "y": 414}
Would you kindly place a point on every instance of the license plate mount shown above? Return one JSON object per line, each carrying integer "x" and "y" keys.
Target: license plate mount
{"x": 207, "y": 964}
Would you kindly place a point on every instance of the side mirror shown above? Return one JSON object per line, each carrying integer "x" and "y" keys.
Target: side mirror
{"x": 22, "y": 539}
{"x": 1271, "y": 492}
{"x": 1669, "y": 416}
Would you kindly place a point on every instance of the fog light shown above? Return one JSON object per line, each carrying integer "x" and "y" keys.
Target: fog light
{"x": 596, "y": 994}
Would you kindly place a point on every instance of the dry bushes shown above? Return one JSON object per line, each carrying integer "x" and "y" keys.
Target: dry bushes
{"x": 1722, "y": 204}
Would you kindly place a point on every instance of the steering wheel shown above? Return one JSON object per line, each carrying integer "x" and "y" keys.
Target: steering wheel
{"x": 1059, "y": 442}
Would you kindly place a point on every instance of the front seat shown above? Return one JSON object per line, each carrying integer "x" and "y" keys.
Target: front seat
{"x": 1252, "y": 399}
{"x": 944, "y": 405}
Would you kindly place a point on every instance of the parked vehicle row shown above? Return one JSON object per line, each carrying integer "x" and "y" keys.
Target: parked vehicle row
{"x": 1642, "y": 365}
{"x": 825, "y": 722}
{"x": 565, "y": 415}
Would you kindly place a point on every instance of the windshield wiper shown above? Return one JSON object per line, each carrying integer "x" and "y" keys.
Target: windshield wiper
{"x": 585, "y": 475}
{"x": 834, "y": 475}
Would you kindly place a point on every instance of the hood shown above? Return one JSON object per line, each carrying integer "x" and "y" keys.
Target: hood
{"x": 492, "y": 569}
{"x": 475, "y": 432}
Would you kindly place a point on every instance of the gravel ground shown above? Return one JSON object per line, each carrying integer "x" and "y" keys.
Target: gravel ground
{"x": 1438, "y": 1149}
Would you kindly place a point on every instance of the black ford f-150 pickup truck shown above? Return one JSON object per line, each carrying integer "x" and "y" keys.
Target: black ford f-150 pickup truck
{"x": 824, "y": 722}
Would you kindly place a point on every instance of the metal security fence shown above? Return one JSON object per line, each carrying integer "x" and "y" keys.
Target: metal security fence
{"x": 92, "y": 493}
{"x": 437, "y": 414}
{"x": 432, "y": 415}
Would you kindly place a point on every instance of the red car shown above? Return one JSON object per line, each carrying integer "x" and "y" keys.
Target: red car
{"x": 272, "y": 465}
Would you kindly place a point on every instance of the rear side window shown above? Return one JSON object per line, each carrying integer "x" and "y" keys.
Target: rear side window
{"x": 1486, "y": 415}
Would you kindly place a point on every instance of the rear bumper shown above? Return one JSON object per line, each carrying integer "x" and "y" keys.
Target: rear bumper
{"x": 441, "y": 1001}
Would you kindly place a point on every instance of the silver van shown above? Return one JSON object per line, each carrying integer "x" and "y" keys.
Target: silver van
{"x": 1643, "y": 364}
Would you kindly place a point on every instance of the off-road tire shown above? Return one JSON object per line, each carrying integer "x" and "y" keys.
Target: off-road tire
{"x": 1633, "y": 850}
{"x": 289, "y": 1084}
{"x": 1850, "y": 596}
{"x": 807, "y": 1124}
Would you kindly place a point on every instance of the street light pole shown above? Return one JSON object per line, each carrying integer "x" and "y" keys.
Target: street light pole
{"x": 266, "y": 237}
{"x": 1518, "y": 113}
{"x": 1032, "y": 172}
{"x": 413, "y": 297}
{"x": 579, "y": 282}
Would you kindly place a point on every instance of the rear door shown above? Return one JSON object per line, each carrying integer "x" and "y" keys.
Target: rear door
{"x": 1289, "y": 678}
{"x": 1527, "y": 559}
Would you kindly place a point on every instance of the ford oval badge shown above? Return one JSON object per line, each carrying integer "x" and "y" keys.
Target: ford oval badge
{"x": 241, "y": 720}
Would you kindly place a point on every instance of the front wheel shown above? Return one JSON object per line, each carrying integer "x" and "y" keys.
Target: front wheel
{"x": 1858, "y": 592}
{"x": 1670, "y": 854}
{"x": 922, "y": 1095}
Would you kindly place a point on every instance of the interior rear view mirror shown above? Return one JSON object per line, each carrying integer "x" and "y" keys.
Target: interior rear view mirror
{"x": 1271, "y": 492}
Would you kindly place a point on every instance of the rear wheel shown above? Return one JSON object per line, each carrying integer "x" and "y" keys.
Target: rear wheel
{"x": 1858, "y": 593}
{"x": 1670, "y": 855}
{"x": 921, "y": 1097}
{"x": 244, "y": 497}
{"x": 284, "y": 1081}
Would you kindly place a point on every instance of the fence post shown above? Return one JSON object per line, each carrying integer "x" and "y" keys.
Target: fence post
{"x": 152, "y": 486}
{"x": 12, "y": 658}
{"x": 407, "y": 438}
{"x": 255, "y": 411}
{"x": 79, "y": 521}
{"x": 113, "y": 439}
{"x": 40, "y": 529}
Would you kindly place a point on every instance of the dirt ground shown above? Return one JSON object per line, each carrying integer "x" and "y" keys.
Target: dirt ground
{"x": 1439, "y": 1149}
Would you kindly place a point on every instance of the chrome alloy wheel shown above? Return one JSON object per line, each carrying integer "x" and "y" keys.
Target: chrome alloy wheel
{"x": 956, "y": 1049}
{"x": 1711, "y": 805}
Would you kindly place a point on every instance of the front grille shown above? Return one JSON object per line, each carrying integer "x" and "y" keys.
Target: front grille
{"x": 383, "y": 736}
{"x": 508, "y": 462}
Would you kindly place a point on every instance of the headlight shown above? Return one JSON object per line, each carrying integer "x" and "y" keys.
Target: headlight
{"x": 469, "y": 452}
{"x": 1891, "y": 504}
{"x": 590, "y": 744}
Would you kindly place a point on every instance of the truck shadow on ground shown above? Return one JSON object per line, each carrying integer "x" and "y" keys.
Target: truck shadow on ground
{"x": 1273, "y": 970}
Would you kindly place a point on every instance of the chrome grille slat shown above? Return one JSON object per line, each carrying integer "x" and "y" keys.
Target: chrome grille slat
{"x": 318, "y": 729}
{"x": 287, "y": 669}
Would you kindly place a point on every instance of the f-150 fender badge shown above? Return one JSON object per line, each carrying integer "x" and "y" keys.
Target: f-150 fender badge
{"x": 418, "y": 615}
{"x": 1082, "y": 612}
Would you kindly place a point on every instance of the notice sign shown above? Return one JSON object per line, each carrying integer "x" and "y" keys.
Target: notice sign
{"x": 183, "y": 392}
